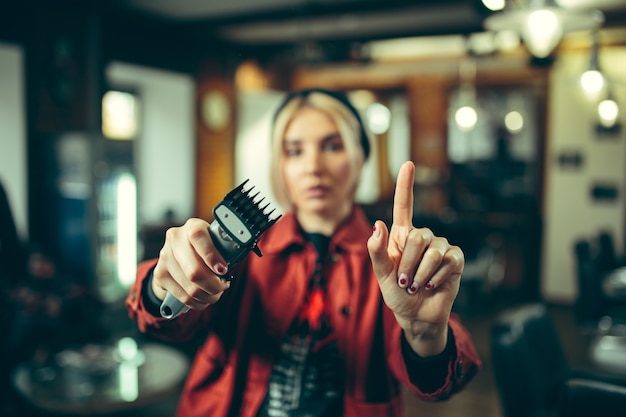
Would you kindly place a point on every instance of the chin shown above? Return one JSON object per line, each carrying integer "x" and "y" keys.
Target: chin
{"x": 325, "y": 209}
{"x": 315, "y": 207}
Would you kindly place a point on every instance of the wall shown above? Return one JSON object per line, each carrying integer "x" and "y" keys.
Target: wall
{"x": 13, "y": 133}
{"x": 165, "y": 149}
{"x": 569, "y": 211}
{"x": 252, "y": 144}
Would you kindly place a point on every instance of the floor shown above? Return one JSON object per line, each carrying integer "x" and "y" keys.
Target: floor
{"x": 479, "y": 398}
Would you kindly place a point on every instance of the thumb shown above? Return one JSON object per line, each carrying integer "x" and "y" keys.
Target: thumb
{"x": 377, "y": 247}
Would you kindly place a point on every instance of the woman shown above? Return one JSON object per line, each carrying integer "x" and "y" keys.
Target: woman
{"x": 303, "y": 330}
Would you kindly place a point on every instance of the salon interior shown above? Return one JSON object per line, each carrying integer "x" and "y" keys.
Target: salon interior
{"x": 120, "y": 119}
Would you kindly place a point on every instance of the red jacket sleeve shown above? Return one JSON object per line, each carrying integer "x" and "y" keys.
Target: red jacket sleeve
{"x": 462, "y": 365}
{"x": 182, "y": 328}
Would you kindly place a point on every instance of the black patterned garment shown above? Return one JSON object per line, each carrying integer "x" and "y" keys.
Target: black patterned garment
{"x": 306, "y": 381}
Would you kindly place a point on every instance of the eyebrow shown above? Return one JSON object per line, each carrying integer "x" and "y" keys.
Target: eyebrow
{"x": 331, "y": 136}
{"x": 295, "y": 141}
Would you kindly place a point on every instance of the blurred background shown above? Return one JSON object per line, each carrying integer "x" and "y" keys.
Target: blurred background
{"x": 121, "y": 118}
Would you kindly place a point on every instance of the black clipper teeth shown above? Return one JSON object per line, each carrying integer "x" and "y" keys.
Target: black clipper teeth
{"x": 250, "y": 211}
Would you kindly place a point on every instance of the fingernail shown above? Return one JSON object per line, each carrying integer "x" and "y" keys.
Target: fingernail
{"x": 220, "y": 269}
{"x": 403, "y": 279}
{"x": 429, "y": 285}
{"x": 412, "y": 289}
{"x": 376, "y": 231}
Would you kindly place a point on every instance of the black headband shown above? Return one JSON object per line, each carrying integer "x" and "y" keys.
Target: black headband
{"x": 339, "y": 96}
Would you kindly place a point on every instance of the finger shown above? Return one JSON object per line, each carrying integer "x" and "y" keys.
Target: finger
{"x": 182, "y": 271}
{"x": 190, "y": 294}
{"x": 450, "y": 268}
{"x": 183, "y": 261}
{"x": 197, "y": 231}
{"x": 175, "y": 289}
{"x": 199, "y": 285}
{"x": 198, "y": 281}
{"x": 167, "y": 278}
{"x": 403, "y": 197}
{"x": 164, "y": 282}
{"x": 417, "y": 242}
{"x": 377, "y": 246}
{"x": 431, "y": 260}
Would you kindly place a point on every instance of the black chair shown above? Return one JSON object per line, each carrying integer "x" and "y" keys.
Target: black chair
{"x": 599, "y": 301}
{"x": 530, "y": 367}
{"x": 584, "y": 397}
{"x": 529, "y": 363}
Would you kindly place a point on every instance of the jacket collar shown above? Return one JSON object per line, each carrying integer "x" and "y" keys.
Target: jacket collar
{"x": 351, "y": 236}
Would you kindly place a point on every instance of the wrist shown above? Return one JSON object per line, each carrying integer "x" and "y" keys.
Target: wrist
{"x": 151, "y": 302}
{"x": 426, "y": 339}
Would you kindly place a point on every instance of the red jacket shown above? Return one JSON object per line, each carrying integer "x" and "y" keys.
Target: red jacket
{"x": 229, "y": 375}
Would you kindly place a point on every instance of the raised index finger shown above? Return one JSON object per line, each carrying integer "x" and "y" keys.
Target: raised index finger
{"x": 403, "y": 197}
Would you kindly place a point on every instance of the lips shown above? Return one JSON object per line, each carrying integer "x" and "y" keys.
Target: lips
{"x": 317, "y": 191}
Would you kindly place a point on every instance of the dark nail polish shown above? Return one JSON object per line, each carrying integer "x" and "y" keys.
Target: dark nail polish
{"x": 220, "y": 269}
{"x": 403, "y": 279}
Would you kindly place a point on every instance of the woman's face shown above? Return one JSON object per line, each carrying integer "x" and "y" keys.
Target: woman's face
{"x": 317, "y": 170}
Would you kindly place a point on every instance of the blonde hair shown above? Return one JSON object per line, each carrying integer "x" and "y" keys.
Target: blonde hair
{"x": 349, "y": 127}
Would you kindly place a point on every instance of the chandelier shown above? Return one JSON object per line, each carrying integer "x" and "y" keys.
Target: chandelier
{"x": 541, "y": 24}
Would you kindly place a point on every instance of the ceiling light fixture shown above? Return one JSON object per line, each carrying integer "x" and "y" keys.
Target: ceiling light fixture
{"x": 592, "y": 80}
{"x": 466, "y": 115}
{"x": 542, "y": 23}
{"x": 494, "y": 5}
{"x": 608, "y": 111}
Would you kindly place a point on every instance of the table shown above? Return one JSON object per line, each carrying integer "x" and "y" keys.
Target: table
{"x": 101, "y": 379}
{"x": 608, "y": 352}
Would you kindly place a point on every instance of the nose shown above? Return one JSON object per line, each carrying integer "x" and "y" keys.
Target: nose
{"x": 312, "y": 162}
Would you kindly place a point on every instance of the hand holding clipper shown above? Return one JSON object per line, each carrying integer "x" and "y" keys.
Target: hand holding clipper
{"x": 238, "y": 225}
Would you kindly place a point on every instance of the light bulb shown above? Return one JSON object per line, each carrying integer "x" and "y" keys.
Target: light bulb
{"x": 608, "y": 112}
{"x": 542, "y": 32}
{"x": 592, "y": 82}
{"x": 466, "y": 118}
{"x": 378, "y": 118}
{"x": 494, "y": 5}
{"x": 514, "y": 121}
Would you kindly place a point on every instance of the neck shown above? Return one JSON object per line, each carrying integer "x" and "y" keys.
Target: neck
{"x": 324, "y": 223}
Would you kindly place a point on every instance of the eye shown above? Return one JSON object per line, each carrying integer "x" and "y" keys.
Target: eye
{"x": 334, "y": 144}
{"x": 292, "y": 151}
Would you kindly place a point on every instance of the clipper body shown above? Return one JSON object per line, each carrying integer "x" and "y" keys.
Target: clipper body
{"x": 239, "y": 222}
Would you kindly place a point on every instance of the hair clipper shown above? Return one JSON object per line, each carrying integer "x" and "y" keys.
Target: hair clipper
{"x": 238, "y": 224}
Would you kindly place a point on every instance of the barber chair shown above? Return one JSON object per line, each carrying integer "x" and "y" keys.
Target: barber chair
{"x": 601, "y": 277}
{"x": 584, "y": 398}
{"x": 531, "y": 370}
{"x": 601, "y": 302}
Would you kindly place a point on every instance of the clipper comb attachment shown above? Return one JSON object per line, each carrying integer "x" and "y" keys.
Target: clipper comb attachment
{"x": 240, "y": 220}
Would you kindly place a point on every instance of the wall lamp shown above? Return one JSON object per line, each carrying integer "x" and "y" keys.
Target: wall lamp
{"x": 592, "y": 80}
{"x": 466, "y": 115}
{"x": 608, "y": 112}
{"x": 542, "y": 23}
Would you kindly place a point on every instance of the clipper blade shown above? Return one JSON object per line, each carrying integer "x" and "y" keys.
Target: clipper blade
{"x": 248, "y": 209}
